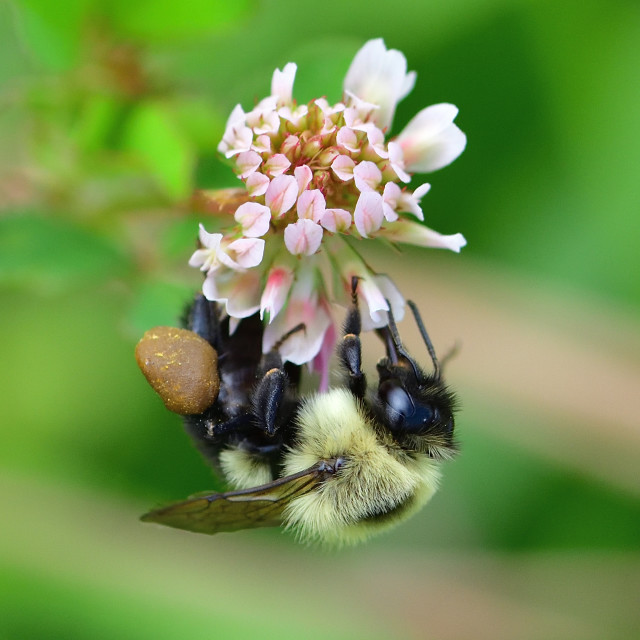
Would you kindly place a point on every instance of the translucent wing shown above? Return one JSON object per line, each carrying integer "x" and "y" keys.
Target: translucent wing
{"x": 244, "y": 509}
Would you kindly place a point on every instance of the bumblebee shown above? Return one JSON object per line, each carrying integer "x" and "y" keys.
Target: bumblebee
{"x": 335, "y": 467}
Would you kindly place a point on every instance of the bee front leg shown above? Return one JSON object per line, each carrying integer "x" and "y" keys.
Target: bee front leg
{"x": 271, "y": 388}
{"x": 350, "y": 349}
{"x": 267, "y": 398}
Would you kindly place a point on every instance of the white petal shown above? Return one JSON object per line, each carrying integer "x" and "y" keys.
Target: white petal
{"x": 379, "y": 76}
{"x": 417, "y": 234}
{"x": 282, "y": 83}
{"x": 421, "y": 191}
{"x": 392, "y": 296}
{"x": 431, "y": 140}
{"x": 209, "y": 240}
{"x": 374, "y": 300}
{"x": 199, "y": 258}
{"x": 236, "y": 140}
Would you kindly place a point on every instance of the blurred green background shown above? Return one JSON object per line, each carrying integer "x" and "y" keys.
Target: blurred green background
{"x": 110, "y": 114}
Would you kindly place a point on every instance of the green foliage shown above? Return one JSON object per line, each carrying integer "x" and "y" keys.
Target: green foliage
{"x": 167, "y": 20}
{"x": 154, "y": 138}
{"x": 49, "y": 255}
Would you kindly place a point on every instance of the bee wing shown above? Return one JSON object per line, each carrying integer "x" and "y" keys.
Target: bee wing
{"x": 244, "y": 509}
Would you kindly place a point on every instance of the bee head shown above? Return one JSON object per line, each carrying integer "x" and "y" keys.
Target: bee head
{"x": 416, "y": 407}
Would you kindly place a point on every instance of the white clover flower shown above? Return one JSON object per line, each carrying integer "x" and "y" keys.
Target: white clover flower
{"x": 315, "y": 174}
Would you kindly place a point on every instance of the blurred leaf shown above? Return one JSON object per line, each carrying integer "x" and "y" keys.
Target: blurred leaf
{"x": 95, "y": 122}
{"x": 162, "y": 20}
{"x": 322, "y": 65}
{"x": 200, "y": 122}
{"x": 53, "y": 30}
{"x": 180, "y": 238}
{"x": 87, "y": 600}
{"x": 154, "y": 136}
{"x": 159, "y": 303}
{"x": 51, "y": 254}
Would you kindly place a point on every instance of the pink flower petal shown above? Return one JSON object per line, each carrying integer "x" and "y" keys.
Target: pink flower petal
{"x": 303, "y": 237}
{"x": 263, "y": 121}
{"x": 262, "y": 144}
{"x": 254, "y": 218}
{"x": 246, "y": 252}
{"x": 368, "y": 215}
{"x": 396, "y": 159}
{"x": 321, "y": 363}
{"x": 247, "y": 162}
{"x": 290, "y": 146}
{"x": 336, "y": 220}
{"x": 376, "y": 140}
{"x": 303, "y": 175}
{"x": 257, "y": 184}
{"x": 276, "y": 290}
{"x": 304, "y": 306}
{"x": 281, "y": 194}
{"x": 277, "y": 164}
{"x": 294, "y": 116}
{"x": 367, "y": 176}
{"x": 343, "y": 167}
{"x": 311, "y": 205}
{"x": 348, "y": 139}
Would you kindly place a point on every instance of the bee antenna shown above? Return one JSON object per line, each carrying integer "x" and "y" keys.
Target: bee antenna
{"x": 426, "y": 339}
{"x": 397, "y": 343}
{"x": 450, "y": 354}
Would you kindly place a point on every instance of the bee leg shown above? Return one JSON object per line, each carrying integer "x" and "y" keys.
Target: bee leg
{"x": 267, "y": 398}
{"x": 350, "y": 349}
{"x": 202, "y": 318}
{"x": 271, "y": 388}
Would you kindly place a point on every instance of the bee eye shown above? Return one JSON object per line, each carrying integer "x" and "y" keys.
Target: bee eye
{"x": 401, "y": 410}
{"x": 396, "y": 398}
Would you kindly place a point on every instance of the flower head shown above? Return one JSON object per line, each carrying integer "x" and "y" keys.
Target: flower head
{"x": 314, "y": 176}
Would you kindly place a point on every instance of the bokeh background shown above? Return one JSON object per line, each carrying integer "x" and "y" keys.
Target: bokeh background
{"x": 110, "y": 114}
